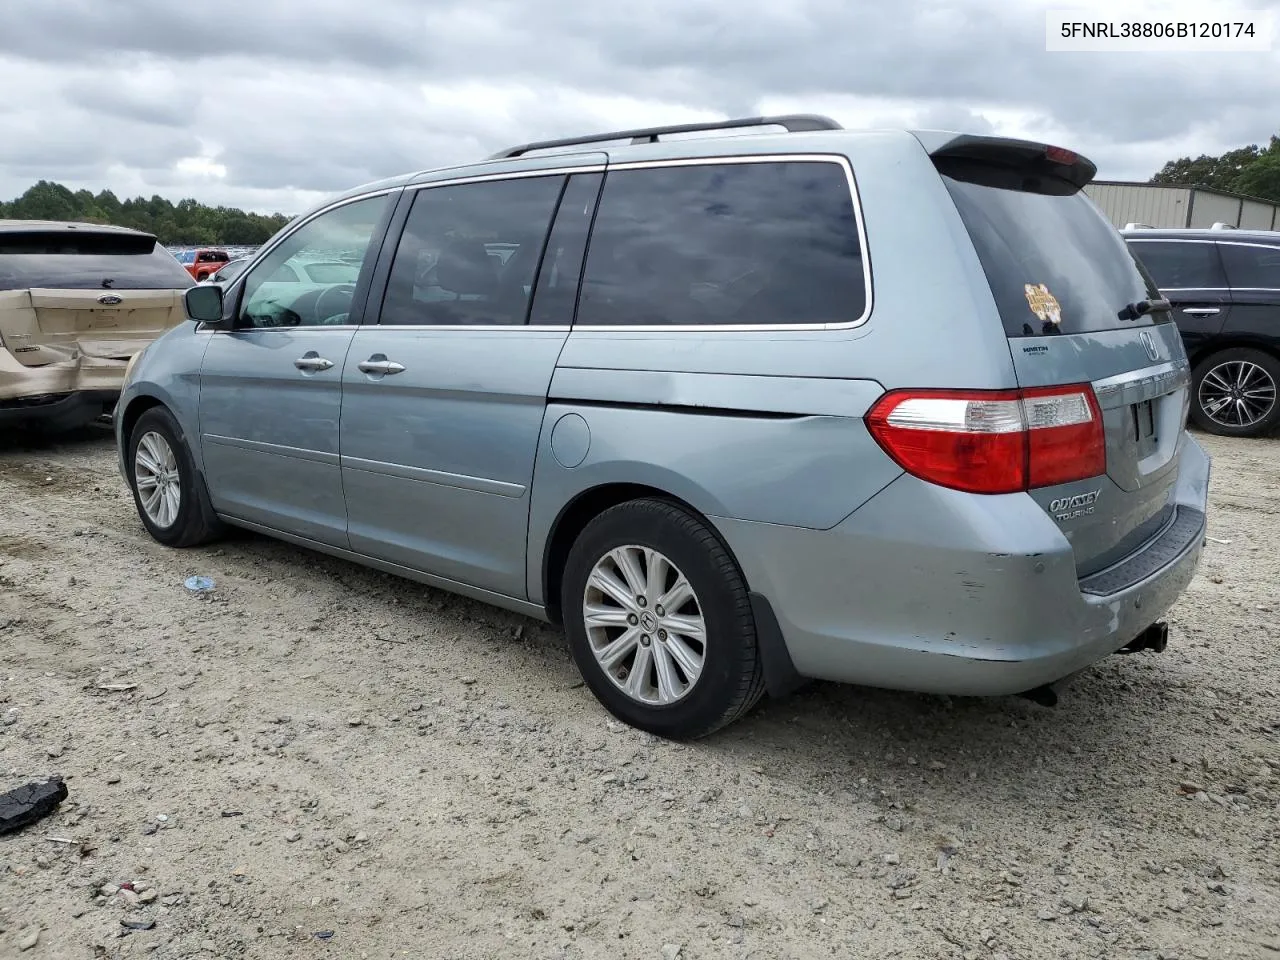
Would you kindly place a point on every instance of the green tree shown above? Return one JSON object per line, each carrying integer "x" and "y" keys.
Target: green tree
{"x": 187, "y": 222}
{"x": 1261, "y": 178}
{"x": 1250, "y": 170}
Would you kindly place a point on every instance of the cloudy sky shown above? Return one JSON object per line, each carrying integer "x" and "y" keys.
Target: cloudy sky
{"x": 272, "y": 104}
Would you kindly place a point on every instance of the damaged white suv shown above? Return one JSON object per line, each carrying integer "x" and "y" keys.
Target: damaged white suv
{"x": 77, "y": 302}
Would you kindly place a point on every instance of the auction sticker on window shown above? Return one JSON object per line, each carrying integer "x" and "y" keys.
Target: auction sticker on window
{"x": 1043, "y": 303}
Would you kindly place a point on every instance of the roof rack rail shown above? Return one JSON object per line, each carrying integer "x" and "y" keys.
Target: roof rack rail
{"x": 792, "y": 123}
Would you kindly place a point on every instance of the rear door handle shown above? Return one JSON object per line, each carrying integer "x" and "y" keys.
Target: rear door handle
{"x": 380, "y": 364}
{"x": 1200, "y": 311}
{"x": 312, "y": 361}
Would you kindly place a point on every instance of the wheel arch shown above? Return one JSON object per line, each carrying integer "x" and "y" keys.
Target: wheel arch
{"x": 580, "y": 511}
{"x": 781, "y": 677}
{"x": 134, "y": 409}
{"x": 1234, "y": 342}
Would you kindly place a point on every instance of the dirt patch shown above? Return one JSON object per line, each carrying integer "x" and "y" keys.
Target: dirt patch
{"x": 22, "y": 548}
{"x": 319, "y": 760}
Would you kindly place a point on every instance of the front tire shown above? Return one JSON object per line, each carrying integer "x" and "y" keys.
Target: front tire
{"x": 1234, "y": 393}
{"x": 659, "y": 621}
{"x": 167, "y": 490}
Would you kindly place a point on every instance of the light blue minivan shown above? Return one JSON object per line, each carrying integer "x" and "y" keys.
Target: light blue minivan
{"x": 766, "y": 401}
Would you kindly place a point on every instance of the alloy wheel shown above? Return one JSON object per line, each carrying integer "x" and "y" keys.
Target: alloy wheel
{"x": 1237, "y": 393}
{"x": 155, "y": 472}
{"x": 645, "y": 625}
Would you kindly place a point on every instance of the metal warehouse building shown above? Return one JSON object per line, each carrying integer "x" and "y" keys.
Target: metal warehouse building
{"x": 1161, "y": 206}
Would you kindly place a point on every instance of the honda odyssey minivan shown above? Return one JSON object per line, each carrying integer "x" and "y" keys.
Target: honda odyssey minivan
{"x": 736, "y": 409}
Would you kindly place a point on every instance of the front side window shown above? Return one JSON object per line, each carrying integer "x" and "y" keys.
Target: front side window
{"x": 1250, "y": 265}
{"x": 1180, "y": 264}
{"x": 275, "y": 291}
{"x": 747, "y": 244}
{"x": 469, "y": 253}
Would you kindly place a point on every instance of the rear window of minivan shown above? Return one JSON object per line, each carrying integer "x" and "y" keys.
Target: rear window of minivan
{"x": 1055, "y": 264}
{"x": 65, "y": 260}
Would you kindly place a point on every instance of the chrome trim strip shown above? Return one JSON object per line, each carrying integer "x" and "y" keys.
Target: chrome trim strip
{"x": 273, "y": 449}
{"x": 1148, "y": 383}
{"x": 1226, "y": 243}
{"x": 1249, "y": 243}
{"x": 508, "y": 175}
{"x": 1221, "y": 289}
{"x": 409, "y": 573}
{"x": 838, "y": 159}
{"x": 402, "y": 472}
{"x": 341, "y": 328}
{"x": 466, "y": 328}
{"x": 864, "y": 252}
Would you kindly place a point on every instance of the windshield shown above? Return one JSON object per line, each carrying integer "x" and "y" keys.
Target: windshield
{"x": 1054, "y": 263}
{"x": 333, "y": 272}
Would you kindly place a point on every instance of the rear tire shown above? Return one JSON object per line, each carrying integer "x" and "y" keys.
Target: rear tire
{"x": 168, "y": 491}
{"x": 682, "y": 672}
{"x": 1233, "y": 393}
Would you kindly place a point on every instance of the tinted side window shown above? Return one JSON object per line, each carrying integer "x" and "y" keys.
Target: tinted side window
{"x": 469, "y": 253}
{"x": 728, "y": 243}
{"x": 275, "y": 295}
{"x": 1251, "y": 266}
{"x": 1180, "y": 265}
{"x": 557, "y": 290}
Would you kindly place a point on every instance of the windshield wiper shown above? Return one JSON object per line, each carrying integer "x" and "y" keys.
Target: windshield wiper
{"x": 1135, "y": 310}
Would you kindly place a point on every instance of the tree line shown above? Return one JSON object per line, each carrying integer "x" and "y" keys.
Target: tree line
{"x": 1251, "y": 170}
{"x": 187, "y": 222}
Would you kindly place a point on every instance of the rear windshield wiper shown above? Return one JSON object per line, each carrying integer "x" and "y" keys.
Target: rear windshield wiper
{"x": 1135, "y": 310}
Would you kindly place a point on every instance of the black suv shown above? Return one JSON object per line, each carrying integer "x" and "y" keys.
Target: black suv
{"x": 1225, "y": 290}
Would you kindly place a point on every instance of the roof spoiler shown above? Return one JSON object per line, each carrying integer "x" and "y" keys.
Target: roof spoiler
{"x": 1035, "y": 159}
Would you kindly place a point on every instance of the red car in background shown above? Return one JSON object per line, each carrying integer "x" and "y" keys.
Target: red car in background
{"x": 203, "y": 263}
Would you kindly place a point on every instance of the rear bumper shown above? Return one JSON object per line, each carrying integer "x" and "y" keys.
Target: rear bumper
{"x": 57, "y": 411}
{"x": 933, "y": 590}
{"x": 34, "y": 389}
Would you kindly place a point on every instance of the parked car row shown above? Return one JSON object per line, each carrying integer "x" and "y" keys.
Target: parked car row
{"x": 202, "y": 264}
{"x": 731, "y": 415}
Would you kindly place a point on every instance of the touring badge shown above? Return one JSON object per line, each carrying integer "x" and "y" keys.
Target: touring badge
{"x": 1043, "y": 303}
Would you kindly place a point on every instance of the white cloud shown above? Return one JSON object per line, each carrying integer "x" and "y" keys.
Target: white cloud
{"x": 271, "y": 106}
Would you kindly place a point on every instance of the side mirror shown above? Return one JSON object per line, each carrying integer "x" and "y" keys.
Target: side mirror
{"x": 204, "y": 303}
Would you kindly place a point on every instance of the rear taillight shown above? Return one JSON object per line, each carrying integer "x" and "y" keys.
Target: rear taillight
{"x": 993, "y": 441}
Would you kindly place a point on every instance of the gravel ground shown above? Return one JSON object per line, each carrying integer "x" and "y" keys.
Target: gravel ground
{"x": 321, "y": 761}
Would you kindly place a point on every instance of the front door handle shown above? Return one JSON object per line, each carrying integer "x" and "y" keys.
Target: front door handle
{"x": 312, "y": 361}
{"x": 379, "y": 364}
{"x": 1200, "y": 311}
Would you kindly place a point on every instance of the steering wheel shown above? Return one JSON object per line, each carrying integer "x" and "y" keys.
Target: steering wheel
{"x": 333, "y": 306}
